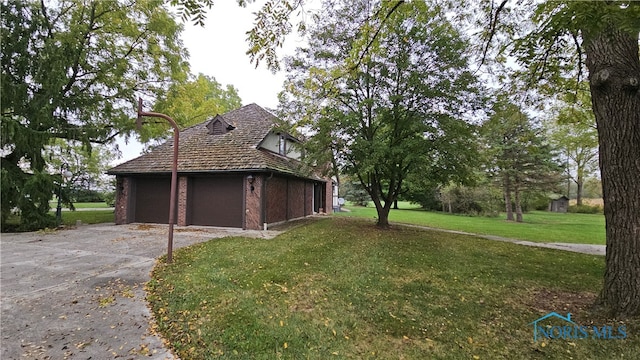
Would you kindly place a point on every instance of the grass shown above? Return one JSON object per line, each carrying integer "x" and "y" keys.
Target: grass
{"x": 70, "y": 218}
{"x": 539, "y": 226}
{"x": 340, "y": 288}
{"x": 82, "y": 205}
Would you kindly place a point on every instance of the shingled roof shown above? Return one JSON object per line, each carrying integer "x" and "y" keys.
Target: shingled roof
{"x": 202, "y": 152}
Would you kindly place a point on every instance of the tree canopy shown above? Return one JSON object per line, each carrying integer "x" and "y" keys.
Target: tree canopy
{"x": 398, "y": 110}
{"x": 191, "y": 102}
{"x": 558, "y": 43}
{"x": 72, "y": 70}
{"x": 573, "y": 132}
{"x": 518, "y": 156}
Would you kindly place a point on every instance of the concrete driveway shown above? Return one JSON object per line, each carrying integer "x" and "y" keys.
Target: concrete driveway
{"x": 78, "y": 293}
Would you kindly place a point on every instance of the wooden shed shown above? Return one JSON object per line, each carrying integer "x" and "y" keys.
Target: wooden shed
{"x": 560, "y": 204}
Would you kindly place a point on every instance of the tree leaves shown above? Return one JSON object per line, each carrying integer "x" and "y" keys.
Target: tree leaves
{"x": 191, "y": 102}
{"x": 271, "y": 26}
{"x": 72, "y": 70}
{"x": 517, "y": 155}
{"x": 382, "y": 101}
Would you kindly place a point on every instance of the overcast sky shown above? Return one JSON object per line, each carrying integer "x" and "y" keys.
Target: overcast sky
{"x": 219, "y": 50}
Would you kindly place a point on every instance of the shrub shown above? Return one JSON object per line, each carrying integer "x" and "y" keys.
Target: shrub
{"x": 85, "y": 195}
{"x": 536, "y": 201}
{"x": 109, "y": 198}
{"x": 586, "y": 209}
{"x": 355, "y": 193}
{"x": 428, "y": 199}
{"x": 474, "y": 201}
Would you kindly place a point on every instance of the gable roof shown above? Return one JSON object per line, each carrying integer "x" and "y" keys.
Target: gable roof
{"x": 202, "y": 152}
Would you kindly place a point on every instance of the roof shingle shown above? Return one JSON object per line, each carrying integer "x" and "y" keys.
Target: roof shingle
{"x": 201, "y": 152}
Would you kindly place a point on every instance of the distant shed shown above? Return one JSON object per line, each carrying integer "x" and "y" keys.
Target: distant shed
{"x": 560, "y": 204}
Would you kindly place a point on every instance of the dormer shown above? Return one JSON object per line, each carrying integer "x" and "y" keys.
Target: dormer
{"x": 282, "y": 144}
{"x": 218, "y": 126}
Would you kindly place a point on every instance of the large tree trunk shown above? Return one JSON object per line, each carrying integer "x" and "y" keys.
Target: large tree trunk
{"x": 518, "y": 205}
{"x": 383, "y": 217}
{"x": 580, "y": 185}
{"x": 507, "y": 199}
{"x": 382, "y": 210}
{"x": 614, "y": 74}
{"x": 579, "y": 182}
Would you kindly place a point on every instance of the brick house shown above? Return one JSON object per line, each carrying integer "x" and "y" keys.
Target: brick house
{"x": 234, "y": 170}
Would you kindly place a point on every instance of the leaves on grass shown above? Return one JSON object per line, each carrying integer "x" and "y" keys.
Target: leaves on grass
{"x": 412, "y": 294}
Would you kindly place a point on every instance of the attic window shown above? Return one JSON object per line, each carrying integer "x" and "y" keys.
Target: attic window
{"x": 282, "y": 145}
{"x": 218, "y": 126}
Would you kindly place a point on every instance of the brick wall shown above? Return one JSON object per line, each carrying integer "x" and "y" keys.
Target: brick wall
{"x": 253, "y": 203}
{"x": 295, "y": 203}
{"x": 276, "y": 199}
{"x": 328, "y": 197}
{"x": 123, "y": 191}
{"x": 286, "y": 198}
{"x": 183, "y": 183}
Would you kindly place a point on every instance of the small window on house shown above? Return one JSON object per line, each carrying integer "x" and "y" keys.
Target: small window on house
{"x": 217, "y": 126}
{"x": 282, "y": 145}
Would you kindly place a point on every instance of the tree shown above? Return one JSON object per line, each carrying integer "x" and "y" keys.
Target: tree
{"x": 559, "y": 40}
{"x": 396, "y": 111}
{"x": 72, "y": 70}
{"x": 190, "y": 103}
{"x": 354, "y": 192}
{"x": 592, "y": 188}
{"x": 87, "y": 167}
{"x": 565, "y": 40}
{"x": 518, "y": 156}
{"x": 575, "y": 134}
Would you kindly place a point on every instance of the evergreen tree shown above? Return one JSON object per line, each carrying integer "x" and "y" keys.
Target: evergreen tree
{"x": 72, "y": 70}
{"x": 517, "y": 155}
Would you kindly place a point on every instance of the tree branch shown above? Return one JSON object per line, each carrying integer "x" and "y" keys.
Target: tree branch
{"x": 375, "y": 35}
{"x": 579, "y": 51}
{"x": 493, "y": 27}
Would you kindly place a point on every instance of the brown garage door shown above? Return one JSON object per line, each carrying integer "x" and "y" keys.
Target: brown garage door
{"x": 152, "y": 200}
{"x": 216, "y": 201}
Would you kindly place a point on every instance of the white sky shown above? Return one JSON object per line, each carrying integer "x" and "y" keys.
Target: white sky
{"x": 219, "y": 50}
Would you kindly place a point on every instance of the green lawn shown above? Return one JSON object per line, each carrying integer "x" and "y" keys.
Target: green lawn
{"x": 84, "y": 205}
{"x": 341, "y": 288}
{"x": 540, "y": 226}
{"x": 69, "y": 218}
{"x": 87, "y": 217}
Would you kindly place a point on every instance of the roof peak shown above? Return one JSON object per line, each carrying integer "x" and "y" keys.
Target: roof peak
{"x": 218, "y": 126}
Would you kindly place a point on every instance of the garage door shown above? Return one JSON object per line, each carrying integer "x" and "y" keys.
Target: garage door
{"x": 152, "y": 200}
{"x": 216, "y": 201}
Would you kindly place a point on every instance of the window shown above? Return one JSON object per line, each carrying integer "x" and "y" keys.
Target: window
{"x": 282, "y": 145}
